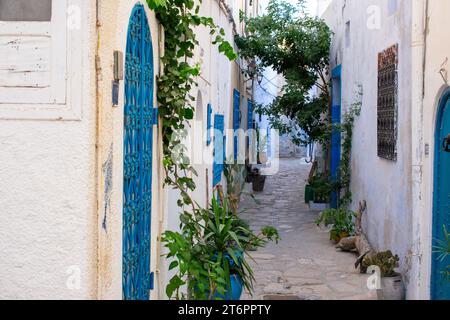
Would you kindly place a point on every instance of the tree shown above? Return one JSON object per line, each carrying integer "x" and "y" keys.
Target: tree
{"x": 296, "y": 46}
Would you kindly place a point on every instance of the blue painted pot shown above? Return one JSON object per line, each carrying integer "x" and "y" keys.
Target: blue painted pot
{"x": 237, "y": 286}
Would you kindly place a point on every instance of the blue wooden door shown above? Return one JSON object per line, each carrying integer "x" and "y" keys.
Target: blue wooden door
{"x": 236, "y": 120}
{"x": 335, "y": 160}
{"x": 139, "y": 117}
{"x": 440, "y": 283}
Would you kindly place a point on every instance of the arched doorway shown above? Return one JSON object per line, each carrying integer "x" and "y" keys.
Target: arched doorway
{"x": 137, "y": 161}
{"x": 440, "y": 283}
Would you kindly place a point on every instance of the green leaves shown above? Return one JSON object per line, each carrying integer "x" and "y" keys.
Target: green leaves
{"x": 210, "y": 247}
{"x": 174, "y": 284}
{"x": 226, "y": 48}
{"x": 153, "y": 4}
{"x": 297, "y": 47}
{"x": 180, "y": 18}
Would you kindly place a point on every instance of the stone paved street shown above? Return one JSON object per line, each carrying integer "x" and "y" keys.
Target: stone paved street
{"x": 305, "y": 264}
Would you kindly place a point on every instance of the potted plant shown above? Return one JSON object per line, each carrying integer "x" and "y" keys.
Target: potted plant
{"x": 258, "y": 182}
{"x": 210, "y": 254}
{"x": 261, "y": 147}
{"x": 320, "y": 188}
{"x": 341, "y": 222}
{"x": 391, "y": 286}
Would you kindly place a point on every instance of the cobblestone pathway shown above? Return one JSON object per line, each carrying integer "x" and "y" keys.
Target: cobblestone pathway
{"x": 305, "y": 264}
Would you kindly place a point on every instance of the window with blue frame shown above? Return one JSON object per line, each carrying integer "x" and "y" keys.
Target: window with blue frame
{"x": 219, "y": 148}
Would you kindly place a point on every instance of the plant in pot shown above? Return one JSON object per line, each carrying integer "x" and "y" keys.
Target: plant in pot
{"x": 258, "y": 181}
{"x": 210, "y": 254}
{"x": 236, "y": 175}
{"x": 341, "y": 222}
{"x": 261, "y": 147}
{"x": 391, "y": 285}
{"x": 320, "y": 188}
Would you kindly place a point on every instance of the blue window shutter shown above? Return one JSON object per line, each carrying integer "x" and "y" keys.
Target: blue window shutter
{"x": 250, "y": 115}
{"x": 208, "y": 125}
{"x": 236, "y": 104}
{"x": 218, "y": 148}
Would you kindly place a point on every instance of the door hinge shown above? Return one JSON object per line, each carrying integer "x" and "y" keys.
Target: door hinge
{"x": 155, "y": 116}
{"x": 152, "y": 281}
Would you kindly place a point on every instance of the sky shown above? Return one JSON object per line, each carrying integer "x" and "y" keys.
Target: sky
{"x": 311, "y": 5}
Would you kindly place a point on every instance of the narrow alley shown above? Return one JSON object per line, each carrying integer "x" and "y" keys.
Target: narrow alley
{"x": 304, "y": 265}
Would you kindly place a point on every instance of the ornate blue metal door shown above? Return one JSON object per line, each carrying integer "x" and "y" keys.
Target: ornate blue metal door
{"x": 139, "y": 118}
{"x": 440, "y": 282}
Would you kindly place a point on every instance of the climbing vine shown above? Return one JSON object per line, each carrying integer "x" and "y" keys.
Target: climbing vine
{"x": 345, "y": 169}
{"x": 179, "y": 18}
{"x": 175, "y": 103}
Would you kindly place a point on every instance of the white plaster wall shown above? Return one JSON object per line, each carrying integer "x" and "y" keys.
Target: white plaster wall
{"x": 436, "y": 59}
{"x": 385, "y": 185}
{"x": 47, "y": 193}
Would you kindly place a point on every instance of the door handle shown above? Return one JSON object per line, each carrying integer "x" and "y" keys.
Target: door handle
{"x": 446, "y": 143}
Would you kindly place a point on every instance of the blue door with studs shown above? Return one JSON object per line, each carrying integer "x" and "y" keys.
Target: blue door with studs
{"x": 440, "y": 279}
{"x": 139, "y": 118}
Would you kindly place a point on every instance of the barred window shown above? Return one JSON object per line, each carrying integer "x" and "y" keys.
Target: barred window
{"x": 387, "y": 103}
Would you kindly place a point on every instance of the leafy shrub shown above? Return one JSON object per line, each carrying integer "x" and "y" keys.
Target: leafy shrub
{"x": 385, "y": 260}
{"x": 211, "y": 248}
{"x": 341, "y": 220}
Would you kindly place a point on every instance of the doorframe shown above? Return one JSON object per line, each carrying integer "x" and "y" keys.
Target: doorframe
{"x": 445, "y": 96}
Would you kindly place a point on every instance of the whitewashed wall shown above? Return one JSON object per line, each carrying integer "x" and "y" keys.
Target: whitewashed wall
{"x": 427, "y": 75}
{"x": 47, "y": 176}
{"x": 376, "y": 25}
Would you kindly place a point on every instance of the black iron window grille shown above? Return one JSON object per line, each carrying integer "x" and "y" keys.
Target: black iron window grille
{"x": 387, "y": 103}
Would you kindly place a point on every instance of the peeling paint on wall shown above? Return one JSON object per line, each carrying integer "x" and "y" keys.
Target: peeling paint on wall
{"x": 108, "y": 185}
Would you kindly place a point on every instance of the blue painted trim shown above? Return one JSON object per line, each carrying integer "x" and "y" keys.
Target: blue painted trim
{"x": 219, "y": 148}
{"x": 437, "y": 146}
{"x": 337, "y": 72}
{"x": 209, "y": 125}
{"x": 236, "y": 122}
{"x": 249, "y": 115}
{"x": 336, "y": 135}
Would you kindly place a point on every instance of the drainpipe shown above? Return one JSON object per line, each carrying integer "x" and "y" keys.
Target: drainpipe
{"x": 418, "y": 55}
